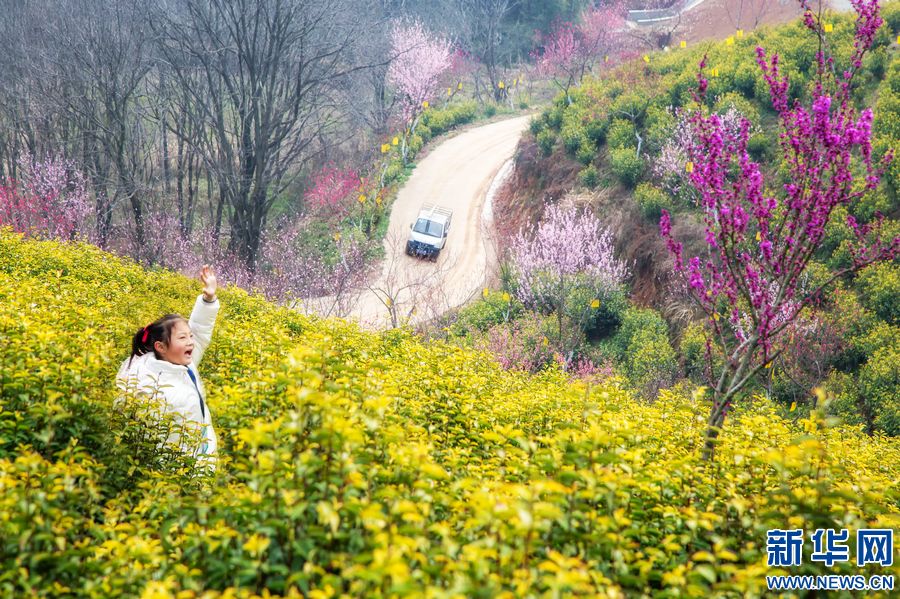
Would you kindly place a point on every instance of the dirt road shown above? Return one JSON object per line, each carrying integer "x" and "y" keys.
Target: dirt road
{"x": 456, "y": 174}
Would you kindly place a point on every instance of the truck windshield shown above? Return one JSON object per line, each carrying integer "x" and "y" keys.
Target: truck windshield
{"x": 428, "y": 227}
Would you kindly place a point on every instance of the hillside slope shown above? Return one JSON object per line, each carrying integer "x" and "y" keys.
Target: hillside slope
{"x": 374, "y": 465}
{"x": 621, "y": 148}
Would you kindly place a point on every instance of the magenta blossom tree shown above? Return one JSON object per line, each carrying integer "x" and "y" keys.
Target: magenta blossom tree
{"x": 670, "y": 166}
{"x": 568, "y": 257}
{"x": 570, "y": 51}
{"x": 419, "y": 60}
{"x": 758, "y": 245}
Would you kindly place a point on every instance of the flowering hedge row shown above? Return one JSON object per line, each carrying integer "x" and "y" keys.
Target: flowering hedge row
{"x": 362, "y": 464}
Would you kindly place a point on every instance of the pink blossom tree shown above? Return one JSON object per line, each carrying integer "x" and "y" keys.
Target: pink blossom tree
{"x": 329, "y": 189}
{"x": 49, "y": 200}
{"x": 570, "y": 51}
{"x": 816, "y": 340}
{"x": 759, "y": 246}
{"x": 419, "y": 59}
{"x": 671, "y": 165}
{"x": 566, "y": 257}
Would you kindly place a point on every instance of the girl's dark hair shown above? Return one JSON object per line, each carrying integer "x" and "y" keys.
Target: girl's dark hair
{"x": 159, "y": 330}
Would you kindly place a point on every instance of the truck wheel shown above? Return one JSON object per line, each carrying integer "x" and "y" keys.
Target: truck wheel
{"x": 435, "y": 255}
{"x": 408, "y": 249}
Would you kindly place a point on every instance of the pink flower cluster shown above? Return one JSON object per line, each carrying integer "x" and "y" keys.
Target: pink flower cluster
{"x": 565, "y": 244}
{"x": 329, "y": 190}
{"x": 670, "y": 166}
{"x": 49, "y": 200}
{"x": 419, "y": 59}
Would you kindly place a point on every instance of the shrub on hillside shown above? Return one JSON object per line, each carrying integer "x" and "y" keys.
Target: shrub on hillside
{"x": 621, "y": 135}
{"x": 761, "y": 147}
{"x": 546, "y": 139}
{"x": 494, "y": 307}
{"x": 870, "y": 398}
{"x": 441, "y": 120}
{"x": 586, "y": 151}
{"x": 651, "y": 200}
{"x": 880, "y": 290}
{"x": 589, "y": 176}
{"x": 573, "y": 137}
{"x": 626, "y": 165}
{"x": 734, "y": 101}
{"x": 641, "y": 345}
{"x": 692, "y": 349}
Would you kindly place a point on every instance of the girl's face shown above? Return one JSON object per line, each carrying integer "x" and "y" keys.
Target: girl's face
{"x": 181, "y": 345}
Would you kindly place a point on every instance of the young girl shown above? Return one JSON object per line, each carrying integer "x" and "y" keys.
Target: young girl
{"x": 163, "y": 366}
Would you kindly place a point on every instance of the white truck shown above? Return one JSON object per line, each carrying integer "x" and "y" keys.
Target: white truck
{"x": 428, "y": 234}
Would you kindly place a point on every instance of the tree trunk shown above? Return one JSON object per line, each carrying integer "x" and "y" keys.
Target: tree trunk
{"x": 179, "y": 181}
{"x": 713, "y": 428}
{"x": 167, "y": 170}
{"x": 191, "y": 196}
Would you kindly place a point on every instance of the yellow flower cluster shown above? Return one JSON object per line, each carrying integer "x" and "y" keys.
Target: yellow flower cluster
{"x": 371, "y": 465}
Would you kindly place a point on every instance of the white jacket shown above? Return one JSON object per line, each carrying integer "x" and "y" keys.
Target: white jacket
{"x": 172, "y": 385}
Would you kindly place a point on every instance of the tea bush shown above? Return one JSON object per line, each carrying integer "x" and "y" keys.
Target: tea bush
{"x": 589, "y": 176}
{"x": 494, "y": 307}
{"x": 880, "y": 290}
{"x": 626, "y": 165}
{"x": 441, "y": 120}
{"x": 641, "y": 345}
{"x": 651, "y": 200}
{"x": 373, "y": 465}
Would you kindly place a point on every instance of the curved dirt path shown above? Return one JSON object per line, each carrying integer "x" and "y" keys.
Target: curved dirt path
{"x": 456, "y": 174}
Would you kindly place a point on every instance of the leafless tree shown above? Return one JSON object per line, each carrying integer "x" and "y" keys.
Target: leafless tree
{"x": 481, "y": 30}
{"x": 264, "y": 92}
{"x": 663, "y": 32}
{"x": 747, "y": 14}
{"x": 80, "y": 81}
{"x": 107, "y": 61}
{"x": 368, "y": 100}
{"x": 407, "y": 288}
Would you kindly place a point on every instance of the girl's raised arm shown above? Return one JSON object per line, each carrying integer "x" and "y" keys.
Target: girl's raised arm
{"x": 203, "y": 316}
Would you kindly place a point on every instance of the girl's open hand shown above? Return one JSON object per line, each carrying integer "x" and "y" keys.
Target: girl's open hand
{"x": 208, "y": 278}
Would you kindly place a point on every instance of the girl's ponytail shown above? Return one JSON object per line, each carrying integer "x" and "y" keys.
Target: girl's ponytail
{"x": 160, "y": 330}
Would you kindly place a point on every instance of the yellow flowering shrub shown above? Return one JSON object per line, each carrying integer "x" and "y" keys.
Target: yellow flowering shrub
{"x": 357, "y": 464}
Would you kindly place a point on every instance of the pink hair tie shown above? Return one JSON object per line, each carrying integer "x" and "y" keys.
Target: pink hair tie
{"x": 146, "y": 334}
